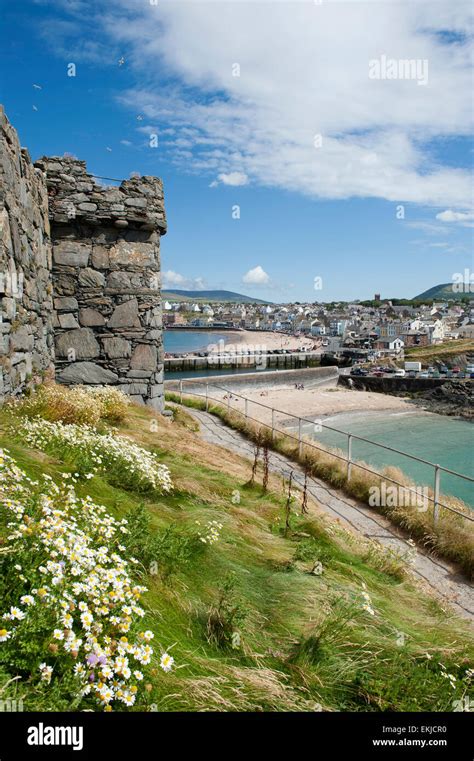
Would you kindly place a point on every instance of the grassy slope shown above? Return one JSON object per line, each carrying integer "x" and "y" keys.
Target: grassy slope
{"x": 442, "y": 352}
{"x": 305, "y": 638}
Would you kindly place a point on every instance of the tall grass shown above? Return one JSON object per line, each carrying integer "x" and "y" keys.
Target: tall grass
{"x": 450, "y": 537}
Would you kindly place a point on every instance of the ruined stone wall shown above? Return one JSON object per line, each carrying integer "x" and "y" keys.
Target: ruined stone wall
{"x": 80, "y": 273}
{"x": 106, "y": 279}
{"x": 26, "y": 305}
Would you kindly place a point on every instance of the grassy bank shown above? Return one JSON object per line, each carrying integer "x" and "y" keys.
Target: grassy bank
{"x": 445, "y": 352}
{"x": 452, "y": 537}
{"x": 274, "y": 611}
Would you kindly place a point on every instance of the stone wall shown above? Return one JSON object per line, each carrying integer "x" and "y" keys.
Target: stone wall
{"x": 26, "y": 305}
{"x": 89, "y": 255}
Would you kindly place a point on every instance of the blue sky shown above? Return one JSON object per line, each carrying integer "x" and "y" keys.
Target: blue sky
{"x": 266, "y": 106}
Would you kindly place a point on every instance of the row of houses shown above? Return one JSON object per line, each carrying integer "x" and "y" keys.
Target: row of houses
{"x": 386, "y": 328}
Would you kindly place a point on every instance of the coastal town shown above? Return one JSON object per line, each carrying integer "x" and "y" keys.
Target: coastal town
{"x": 356, "y": 331}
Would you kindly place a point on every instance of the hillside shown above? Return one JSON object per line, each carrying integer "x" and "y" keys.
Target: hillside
{"x": 443, "y": 292}
{"x": 222, "y": 296}
{"x": 274, "y": 611}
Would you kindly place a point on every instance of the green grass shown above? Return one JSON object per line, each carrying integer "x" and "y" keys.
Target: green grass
{"x": 450, "y": 537}
{"x": 304, "y": 642}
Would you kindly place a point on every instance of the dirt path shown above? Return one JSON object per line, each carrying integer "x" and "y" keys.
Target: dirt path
{"x": 440, "y": 575}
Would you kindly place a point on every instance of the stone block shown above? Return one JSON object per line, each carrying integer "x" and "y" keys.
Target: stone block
{"x": 71, "y": 253}
{"x": 91, "y": 317}
{"x": 67, "y": 320}
{"x": 89, "y": 278}
{"x": 144, "y": 357}
{"x": 81, "y": 341}
{"x": 125, "y": 315}
{"x": 87, "y": 373}
{"x": 116, "y": 348}
{"x": 65, "y": 304}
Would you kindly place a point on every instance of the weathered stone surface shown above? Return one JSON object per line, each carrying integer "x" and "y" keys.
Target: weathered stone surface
{"x": 144, "y": 357}
{"x": 87, "y": 373}
{"x": 100, "y": 257}
{"x": 65, "y": 304}
{"x": 104, "y": 249}
{"x": 67, "y": 320}
{"x": 125, "y": 315}
{"x": 117, "y": 347}
{"x": 22, "y": 339}
{"x": 89, "y": 278}
{"x": 71, "y": 253}
{"x": 90, "y": 317}
{"x": 81, "y": 341}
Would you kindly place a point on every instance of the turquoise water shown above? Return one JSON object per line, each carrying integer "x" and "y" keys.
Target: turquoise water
{"x": 439, "y": 439}
{"x": 181, "y": 341}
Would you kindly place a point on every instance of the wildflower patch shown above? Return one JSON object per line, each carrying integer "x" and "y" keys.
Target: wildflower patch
{"x": 72, "y": 608}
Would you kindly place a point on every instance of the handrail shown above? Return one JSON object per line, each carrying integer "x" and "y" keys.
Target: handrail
{"x": 435, "y": 499}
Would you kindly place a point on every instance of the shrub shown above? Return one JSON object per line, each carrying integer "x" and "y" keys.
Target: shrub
{"x": 82, "y": 405}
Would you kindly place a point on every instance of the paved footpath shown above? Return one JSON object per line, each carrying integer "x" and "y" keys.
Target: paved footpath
{"x": 440, "y": 575}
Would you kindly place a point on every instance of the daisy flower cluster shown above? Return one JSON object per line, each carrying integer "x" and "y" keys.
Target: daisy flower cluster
{"x": 135, "y": 467}
{"x": 212, "y": 531}
{"x": 76, "y": 579}
{"x": 367, "y": 602}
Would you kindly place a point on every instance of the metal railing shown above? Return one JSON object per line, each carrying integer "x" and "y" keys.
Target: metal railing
{"x": 350, "y": 437}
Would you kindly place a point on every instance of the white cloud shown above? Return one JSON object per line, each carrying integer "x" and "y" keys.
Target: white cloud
{"x": 256, "y": 276}
{"x": 456, "y": 216}
{"x": 233, "y": 178}
{"x": 175, "y": 279}
{"x": 303, "y": 73}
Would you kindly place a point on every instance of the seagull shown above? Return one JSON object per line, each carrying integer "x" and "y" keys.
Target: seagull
{"x": 108, "y": 149}
{"x": 37, "y": 87}
{"x": 121, "y": 61}
{"x": 139, "y": 118}
{"x": 34, "y": 108}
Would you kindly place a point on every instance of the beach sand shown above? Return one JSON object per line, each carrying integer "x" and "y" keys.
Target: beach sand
{"x": 263, "y": 340}
{"x": 316, "y": 403}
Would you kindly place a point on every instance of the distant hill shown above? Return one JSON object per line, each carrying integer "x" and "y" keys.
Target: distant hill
{"x": 177, "y": 295}
{"x": 442, "y": 293}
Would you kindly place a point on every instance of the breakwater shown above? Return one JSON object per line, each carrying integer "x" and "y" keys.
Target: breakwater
{"x": 238, "y": 361}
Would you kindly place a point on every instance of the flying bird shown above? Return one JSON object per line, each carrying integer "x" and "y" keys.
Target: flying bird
{"x": 37, "y": 87}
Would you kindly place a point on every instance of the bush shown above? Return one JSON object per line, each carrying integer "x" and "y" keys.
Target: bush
{"x": 82, "y": 405}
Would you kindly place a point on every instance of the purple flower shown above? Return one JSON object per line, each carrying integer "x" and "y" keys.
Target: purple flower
{"x": 92, "y": 659}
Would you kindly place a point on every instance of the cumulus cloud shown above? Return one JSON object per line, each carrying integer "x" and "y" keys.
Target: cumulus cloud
{"x": 256, "y": 276}
{"x": 175, "y": 279}
{"x": 233, "y": 178}
{"x": 456, "y": 216}
{"x": 300, "y": 112}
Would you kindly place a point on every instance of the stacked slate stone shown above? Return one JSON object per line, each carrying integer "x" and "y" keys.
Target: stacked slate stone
{"x": 26, "y": 306}
{"x": 106, "y": 279}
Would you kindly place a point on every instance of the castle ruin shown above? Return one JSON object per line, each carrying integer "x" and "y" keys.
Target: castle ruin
{"x": 80, "y": 279}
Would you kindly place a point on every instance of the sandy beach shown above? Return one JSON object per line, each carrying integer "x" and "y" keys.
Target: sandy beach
{"x": 315, "y": 403}
{"x": 266, "y": 340}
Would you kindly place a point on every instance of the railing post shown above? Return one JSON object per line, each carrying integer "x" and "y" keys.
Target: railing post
{"x": 349, "y": 456}
{"x": 181, "y": 392}
{"x": 299, "y": 437}
{"x": 273, "y": 423}
{"x": 436, "y": 496}
{"x": 207, "y": 397}
{"x": 246, "y": 408}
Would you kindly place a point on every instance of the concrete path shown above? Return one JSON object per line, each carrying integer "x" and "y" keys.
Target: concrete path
{"x": 440, "y": 575}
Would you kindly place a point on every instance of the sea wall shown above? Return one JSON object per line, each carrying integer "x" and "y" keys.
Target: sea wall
{"x": 26, "y": 303}
{"x": 296, "y": 360}
{"x": 310, "y": 378}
